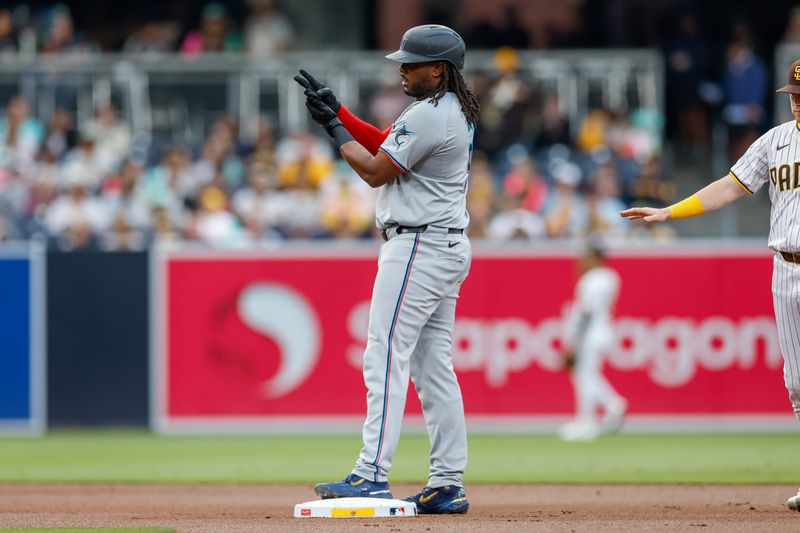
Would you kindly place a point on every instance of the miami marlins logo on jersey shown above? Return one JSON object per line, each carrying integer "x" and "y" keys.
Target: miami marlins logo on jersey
{"x": 401, "y": 134}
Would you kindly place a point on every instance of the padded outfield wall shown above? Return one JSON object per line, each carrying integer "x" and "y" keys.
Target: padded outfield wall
{"x": 22, "y": 329}
{"x": 97, "y": 341}
{"x": 272, "y": 340}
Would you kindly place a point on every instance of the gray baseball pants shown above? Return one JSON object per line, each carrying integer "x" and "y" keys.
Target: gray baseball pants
{"x": 410, "y": 334}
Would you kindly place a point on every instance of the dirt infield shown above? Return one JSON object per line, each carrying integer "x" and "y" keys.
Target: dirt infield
{"x": 493, "y": 508}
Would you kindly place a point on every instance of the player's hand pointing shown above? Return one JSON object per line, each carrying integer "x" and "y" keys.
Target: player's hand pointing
{"x": 309, "y": 82}
{"x": 320, "y": 112}
{"x": 647, "y": 214}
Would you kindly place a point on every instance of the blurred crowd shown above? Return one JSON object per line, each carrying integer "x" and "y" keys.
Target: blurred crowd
{"x": 90, "y": 186}
{"x": 725, "y": 82}
{"x": 264, "y": 32}
{"x": 701, "y": 88}
{"x": 534, "y": 175}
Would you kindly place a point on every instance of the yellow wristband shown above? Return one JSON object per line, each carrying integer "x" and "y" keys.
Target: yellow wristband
{"x": 689, "y": 207}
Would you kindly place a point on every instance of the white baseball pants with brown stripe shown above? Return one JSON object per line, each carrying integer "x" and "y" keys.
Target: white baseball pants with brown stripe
{"x": 410, "y": 334}
{"x": 786, "y": 298}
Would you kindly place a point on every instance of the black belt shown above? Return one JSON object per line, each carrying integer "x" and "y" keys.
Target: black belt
{"x": 414, "y": 229}
{"x": 792, "y": 257}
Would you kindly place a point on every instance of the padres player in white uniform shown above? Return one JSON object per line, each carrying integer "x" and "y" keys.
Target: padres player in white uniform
{"x": 589, "y": 334}
{"x": 773, "y": 160}
{"x": 421, "y": 170}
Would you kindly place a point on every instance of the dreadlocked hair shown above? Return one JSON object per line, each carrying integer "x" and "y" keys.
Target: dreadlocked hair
{"x": 452, "y": 80}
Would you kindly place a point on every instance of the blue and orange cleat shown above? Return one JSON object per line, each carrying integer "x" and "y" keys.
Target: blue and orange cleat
{"x": 449, "y": 499}
{"x": 353, "y": 486}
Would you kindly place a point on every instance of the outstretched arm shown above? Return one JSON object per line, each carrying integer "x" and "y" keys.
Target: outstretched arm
{"x": 714, "y": 196}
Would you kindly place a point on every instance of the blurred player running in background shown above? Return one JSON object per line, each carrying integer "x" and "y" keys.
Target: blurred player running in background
{"x": 589, "y": 334}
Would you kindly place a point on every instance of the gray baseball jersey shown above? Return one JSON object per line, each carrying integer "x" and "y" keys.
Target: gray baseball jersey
{"x": 432, "y": 147}
{"x": 413, "y": 305}
{"x": 775, "y": 159}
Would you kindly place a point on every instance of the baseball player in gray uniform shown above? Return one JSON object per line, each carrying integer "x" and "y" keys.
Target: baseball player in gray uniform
{"x": 421, "y": 169}
{"x": 773, "y": 160}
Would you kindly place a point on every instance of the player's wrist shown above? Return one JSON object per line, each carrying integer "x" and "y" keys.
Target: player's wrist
{"x": 336, "y": 129}
{"x": 688, "y": 207}
{"x": 330, "y": 124}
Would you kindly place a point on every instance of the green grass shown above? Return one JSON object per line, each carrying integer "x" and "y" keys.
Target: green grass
{"x": 133, "y": 456}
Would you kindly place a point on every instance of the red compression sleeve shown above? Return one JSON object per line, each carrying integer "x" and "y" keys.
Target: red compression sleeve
{"x": 365, "y": 133}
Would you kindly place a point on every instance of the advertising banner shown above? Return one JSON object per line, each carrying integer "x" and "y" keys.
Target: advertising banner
{"x": 274, "y": 340}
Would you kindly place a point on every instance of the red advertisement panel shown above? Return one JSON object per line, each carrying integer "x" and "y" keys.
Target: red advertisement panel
{"x": 266, "y": 336}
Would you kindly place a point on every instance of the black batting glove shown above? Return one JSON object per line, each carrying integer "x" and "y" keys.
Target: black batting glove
{"x": 309, "y": 82}
{"x": 319, "y": 111}
{"x": 326, "y": 118}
